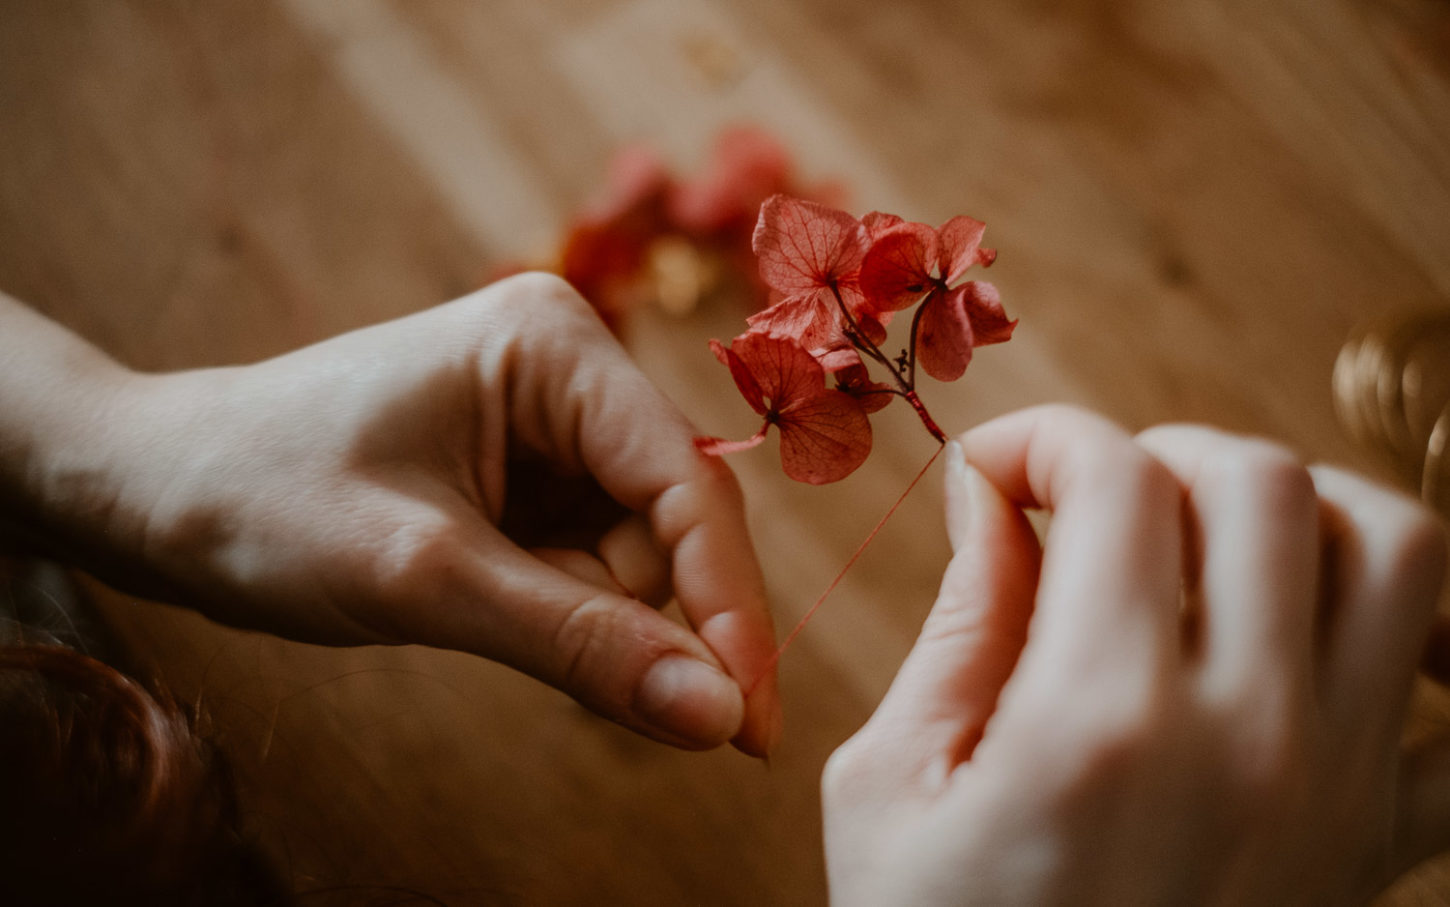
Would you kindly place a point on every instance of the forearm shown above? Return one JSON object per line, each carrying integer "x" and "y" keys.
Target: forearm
{"x": 60, "y": 406}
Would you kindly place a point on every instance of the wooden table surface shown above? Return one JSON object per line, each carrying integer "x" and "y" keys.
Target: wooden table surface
{"x": 1194, "y": 204}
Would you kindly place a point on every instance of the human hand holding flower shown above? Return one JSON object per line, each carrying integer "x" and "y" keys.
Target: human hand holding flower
{"x": 1192, "y": 693}
{"x": 492, "y": 475}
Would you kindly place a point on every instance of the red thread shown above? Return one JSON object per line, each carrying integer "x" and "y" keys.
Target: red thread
{"x": 861, "y": 549}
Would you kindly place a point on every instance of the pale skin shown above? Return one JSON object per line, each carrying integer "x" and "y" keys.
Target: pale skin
{"x": 1192, "y": 693}
{"x": 379, "y": 487}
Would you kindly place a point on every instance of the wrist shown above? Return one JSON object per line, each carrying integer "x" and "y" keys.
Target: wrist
{"x": 65, "y": 408}
{"x": 58, "y": 453}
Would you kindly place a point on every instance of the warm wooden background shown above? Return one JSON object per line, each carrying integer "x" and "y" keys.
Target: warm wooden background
{"x": 1194, "y": 202}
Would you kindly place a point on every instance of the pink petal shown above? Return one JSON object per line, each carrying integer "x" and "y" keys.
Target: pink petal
{"x": 956, "y": 323}
{"x": 824, "y": 438}
{"x": 837, "y": 357}
{"x": 824, "y": 433}
{"x": 812, "y": 318}
{"x": 961, "y": 238}
{"x": 896, "y": 271}
{"x": 984, "y": 308}
{"x": 877, "y": 223}
{"x": 873, "y": 325}
{"x": 804, "y": 246}
{"x": 637, "y": 176}
{"x": 786, "y": 373}
{"x": 856, "y": 381}
{"x": 718, "y": 447}
{"x": 944, "y": 336}
{"x": 744, "y": 380}
{"x": 747, "y": 165}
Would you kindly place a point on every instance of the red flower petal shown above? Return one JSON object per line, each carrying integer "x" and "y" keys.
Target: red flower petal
{"x": 824, "y": 433}
{"x": 747, "y": 166}
{"x": 897, "y": 270}
{"x": 812, "y": 318}
{"x": 717, "y": 447}
{"x": 605, "y": 246}
{"x": 944, "y": 337}
{"x": 837, "y": 357}
{"x": 804, "y": 246}
{"x": 603, "y": 262}
{"x": 824, "y": 438}
{"x": 961, "y": 238}
{"x": 878, "y": 222}
{"x": 637, "y": 178}
{"x": 954, "y": 323}
{"x": 984, "y": 307}
{"x": 873, "y": 324}
{"x": 855, "y": 380}
{"x": 786, "y": 373}
{"x": 749, "y": 388}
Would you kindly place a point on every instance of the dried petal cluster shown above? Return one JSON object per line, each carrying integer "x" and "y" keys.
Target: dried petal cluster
{"x": 836, "y": 283}
{"x": 614, "y": 250}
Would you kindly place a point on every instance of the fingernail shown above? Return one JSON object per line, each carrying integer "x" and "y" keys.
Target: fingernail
{"x": 958, "y": 492}
{"x": 967, "y": 495}
{"x": 688, "y": 699}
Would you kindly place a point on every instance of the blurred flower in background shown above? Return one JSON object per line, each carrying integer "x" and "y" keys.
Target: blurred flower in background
{"x": 652, "y": 238}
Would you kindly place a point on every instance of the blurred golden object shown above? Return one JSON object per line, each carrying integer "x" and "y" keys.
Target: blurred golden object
{"x": 681, "y": 274}
{"x": 1392, "y": 392}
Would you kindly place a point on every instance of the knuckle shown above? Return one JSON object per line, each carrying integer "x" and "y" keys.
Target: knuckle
{"x": 1169, "y": 433}
{"x": 548, "y": 296}
{"x": 1144, "y": 477}
{"x": 1417, "y": 546}
{"x": 724, "y": 488}
{"x": 540, "y": 286}
{"x": 710, "y": 498}
{"x": 842, "y": 771}
{"x": 581, "y": 643}
{"x": 1411, "y": 540}
{"x": 413, "y": 560}
{"x": 1276, "y": 474}
{"x": 1076, "y": 420}
{"x": 850, "y": 772}
{"x": 1269, "y": 475}
{"x": 527, "y": 304}
{"x": 1068, "y": 412}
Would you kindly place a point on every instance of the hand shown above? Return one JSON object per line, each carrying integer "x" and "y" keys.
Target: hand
{"x": 1192, "y": 693}
{"x": 493, "y": 475}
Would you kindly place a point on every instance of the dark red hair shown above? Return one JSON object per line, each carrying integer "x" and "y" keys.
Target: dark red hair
{"x": 108, "y": 797}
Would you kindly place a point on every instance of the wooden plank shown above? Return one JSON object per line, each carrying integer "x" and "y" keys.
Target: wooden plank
{"x": 1194, "y": 204}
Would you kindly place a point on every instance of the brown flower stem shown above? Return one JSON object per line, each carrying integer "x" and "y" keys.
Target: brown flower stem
{"x": 911, "y": 350}
{"x": 906, "y": 383}
{"x": 864, "y": 344}
{"x": 925, "y": 417}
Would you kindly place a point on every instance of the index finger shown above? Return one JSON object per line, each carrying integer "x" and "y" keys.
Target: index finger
{"x": 598, "y": 407}
{"x": 1113, "y": 559}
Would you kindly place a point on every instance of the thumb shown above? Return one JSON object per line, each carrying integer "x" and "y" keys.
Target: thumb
{"x": 478, "y": 591}
{"x": 948, "y": 686}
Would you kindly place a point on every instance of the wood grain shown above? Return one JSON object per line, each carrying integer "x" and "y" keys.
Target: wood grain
{"x": 1194, "y": 203}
